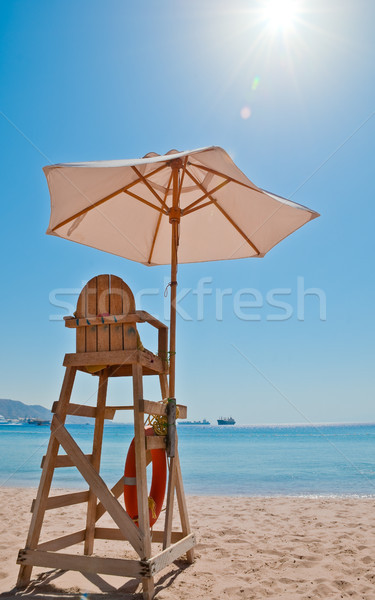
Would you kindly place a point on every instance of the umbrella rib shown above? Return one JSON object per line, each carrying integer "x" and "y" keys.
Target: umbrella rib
{"x": 160, "y": 210}
{"x": 213, "y": 201}
{"x": 149, "y": 186}
{"x": 198, "y": 166}
{"x": 224, "y": 213}
{"x": 189, "y": 208}
{"x": 181, "y": 181}
{"x": 102, "y": 200}
{"x": 159, "y": 220}
{"x": 236, "y": 227}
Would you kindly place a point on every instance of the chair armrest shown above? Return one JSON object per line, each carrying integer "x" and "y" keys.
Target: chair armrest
{"x": 162, "y": 334}
{"x": 146, "y": 317}
{"x": 140, "y": 316}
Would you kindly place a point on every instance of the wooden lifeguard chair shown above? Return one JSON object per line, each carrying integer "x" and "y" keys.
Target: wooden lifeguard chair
{"x": 108, "y": 345}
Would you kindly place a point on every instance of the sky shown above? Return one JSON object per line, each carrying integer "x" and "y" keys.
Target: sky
{"x": 291, "y": 99}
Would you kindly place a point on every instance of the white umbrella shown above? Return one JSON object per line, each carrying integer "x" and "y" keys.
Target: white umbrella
{"x": 126, "y": 207}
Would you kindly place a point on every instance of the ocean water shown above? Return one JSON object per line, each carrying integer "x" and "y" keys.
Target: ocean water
{"x": 228, "y": 460}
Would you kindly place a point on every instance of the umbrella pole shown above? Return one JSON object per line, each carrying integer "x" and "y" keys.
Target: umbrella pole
{"x": 174, "y": 219}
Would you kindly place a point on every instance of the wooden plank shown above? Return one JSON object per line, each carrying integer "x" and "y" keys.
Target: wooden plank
{"x": 46, "y": 478}
{"x": 64, "y": 500}
{"x": 152, "y": 362}
{"x": 63, "y": 542}
{"x": 74, "y": 323}
{"x": 118, "y": 358}
{"x": 84, "y": 564}
{"x": 163, "y": 349}
{"x": 126, "y": 371}
{"x": 157, "y": 408}
{"x": 164, "y": 388}
{"x": 154, "y": 442}
{"x": 91, "y": 311}
{"x": 84, "y": 359}
{"x": 102, "y": 307}
{"x": 96, "y": 456}
{"x": 169, "y": 506}
{"x": 109, "y": 533}
{"x": 116, "y": 491}
{"x": 171, "y": 427}
{"x": 146, "y": 317}
{"x": 81, "y": 410}
{"x": 116, "y": 336}
{"x": 63, "y": 460}
{"x": 139, "y": 316}
{"x": 141, "y": 476}
{"x": 182, "y": 507}
{"x": 113, "y": 507}
{"x": 80, "y": 312}
{"x": 158, "y": 536}
{"x": 140, "y": 461}
{"x": 167, "y": 556}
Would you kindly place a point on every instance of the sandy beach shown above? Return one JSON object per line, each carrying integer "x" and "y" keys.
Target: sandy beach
{"x": 248, "y": 548}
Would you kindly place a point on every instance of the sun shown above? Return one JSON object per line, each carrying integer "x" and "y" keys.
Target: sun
{"x": 280, "y": 14}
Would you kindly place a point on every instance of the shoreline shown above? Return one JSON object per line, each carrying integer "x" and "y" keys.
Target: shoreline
{"x": 329, "y": 496}
{"x": 248, "y": 547}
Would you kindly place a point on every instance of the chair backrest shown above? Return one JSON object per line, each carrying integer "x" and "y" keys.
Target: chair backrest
{"x": 102, "y": 296}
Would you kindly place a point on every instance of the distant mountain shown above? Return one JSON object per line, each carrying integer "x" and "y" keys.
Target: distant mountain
{"x": 13, "y": 409}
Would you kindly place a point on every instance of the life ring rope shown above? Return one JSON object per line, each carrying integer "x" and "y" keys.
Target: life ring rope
{"x": 159, "y": 423}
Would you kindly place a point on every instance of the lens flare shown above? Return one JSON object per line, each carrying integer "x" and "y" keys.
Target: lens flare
{"x": 245, "y": 112}
{"x": 255, "y": 83}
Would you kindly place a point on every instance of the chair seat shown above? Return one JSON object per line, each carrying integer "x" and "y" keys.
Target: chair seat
{"x": 118, "y": 361}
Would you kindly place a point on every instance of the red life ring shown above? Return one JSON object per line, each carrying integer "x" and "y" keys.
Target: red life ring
{"x": 158, "y": 485}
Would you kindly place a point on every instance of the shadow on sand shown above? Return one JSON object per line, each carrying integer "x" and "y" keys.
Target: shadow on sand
{"x": 46, "y": 587}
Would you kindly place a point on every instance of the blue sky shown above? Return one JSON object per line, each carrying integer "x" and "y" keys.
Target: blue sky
{"x": 95, "y": 80}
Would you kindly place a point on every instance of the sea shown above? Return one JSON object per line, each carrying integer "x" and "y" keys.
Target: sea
{"x": 232, "y": 460}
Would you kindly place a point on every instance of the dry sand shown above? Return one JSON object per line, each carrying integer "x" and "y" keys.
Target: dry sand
{"x": 254, "y": 548}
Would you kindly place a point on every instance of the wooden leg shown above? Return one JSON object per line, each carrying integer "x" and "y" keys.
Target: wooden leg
{"x": 171, "y": 478}
{"x": 170, "y": 502}
{"x": 185, "y": 524}
{"x": 46, "y": 478}
{"x": 141, "y": 476}
{"x": 96, "y": 456}
{"x": 175, "y": 482}
{"x": 164, "y": 387}
{"x": 148, "y": 588}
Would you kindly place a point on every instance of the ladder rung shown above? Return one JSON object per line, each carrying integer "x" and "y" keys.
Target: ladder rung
{"x": 80, "y": 410}
{"x": 64, "y": 500}
{"x": 63, "y": 460}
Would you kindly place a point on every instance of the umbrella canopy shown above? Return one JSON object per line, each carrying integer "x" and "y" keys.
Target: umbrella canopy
{"x": 124, "y": 207}
{"x": 192, "y": 206}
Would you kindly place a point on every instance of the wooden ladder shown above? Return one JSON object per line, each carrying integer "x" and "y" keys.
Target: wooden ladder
{"x": 108, "y": 346}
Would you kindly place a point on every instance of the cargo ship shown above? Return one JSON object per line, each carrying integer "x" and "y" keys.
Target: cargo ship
{"x": 226, "y": 421}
